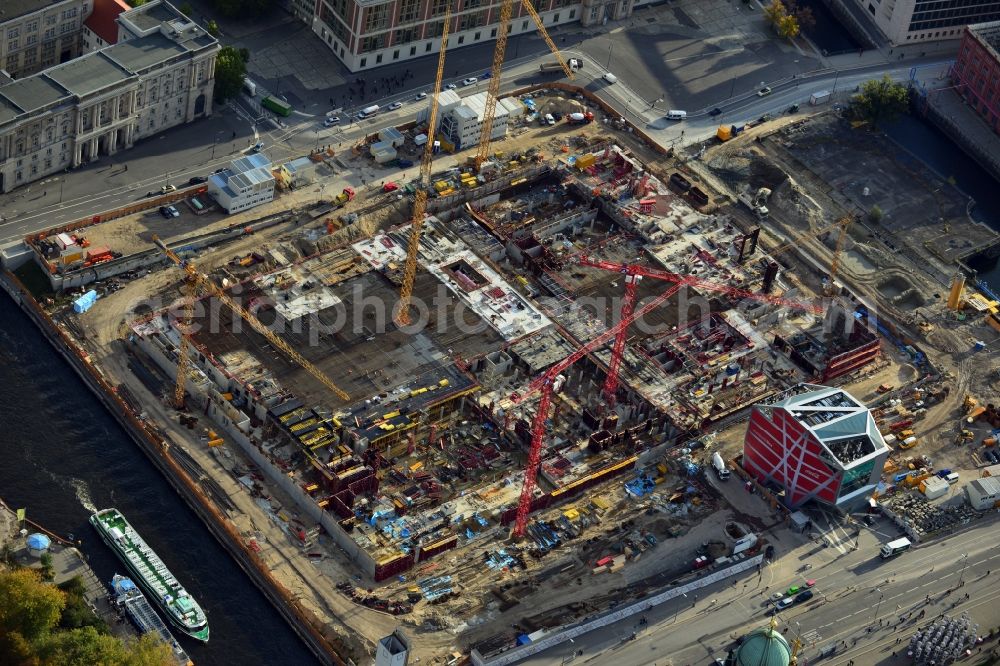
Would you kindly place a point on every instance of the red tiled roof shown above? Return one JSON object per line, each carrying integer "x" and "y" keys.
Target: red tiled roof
{"x": 102, "y": 20}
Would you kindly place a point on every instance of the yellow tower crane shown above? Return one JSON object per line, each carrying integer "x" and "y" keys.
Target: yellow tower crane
{"x": 493, "y": 91}
{"x": 201, "y": 280}
{"x": 843, "y": 224}
{"x": 420, "y": 201}
{"x": 183, "y": 347}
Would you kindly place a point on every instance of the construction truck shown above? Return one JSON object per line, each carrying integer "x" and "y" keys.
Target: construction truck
{"x": 756, "y": 202}
{"x": 554, "y": 66}
{"x": 342, "y": 198}
{"x": 580, "y": 118}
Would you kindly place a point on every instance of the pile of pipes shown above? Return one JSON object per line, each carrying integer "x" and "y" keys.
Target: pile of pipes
{"x": 944, "y": 641}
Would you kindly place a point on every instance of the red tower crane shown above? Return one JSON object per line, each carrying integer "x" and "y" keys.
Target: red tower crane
{"x": 633, "y": 274}
{"x": 546, "y": 382}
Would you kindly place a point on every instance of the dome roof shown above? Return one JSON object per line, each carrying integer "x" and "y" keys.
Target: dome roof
{"x": 38, "y": 542}
{"x": 764, "y": 647}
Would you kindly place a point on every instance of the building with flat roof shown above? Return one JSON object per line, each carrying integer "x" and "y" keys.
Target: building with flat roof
{"x": 815, "y": 443}
{"x": 37, "y": 34}
{"x": 370, "y": 33}
{"x": 977, "y": 71}
{"x": 160, "y": 74}
{"x": 912, "y": 21}
{"x": 248, "y": 182}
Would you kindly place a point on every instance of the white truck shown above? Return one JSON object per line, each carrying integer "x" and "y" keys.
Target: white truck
{"x": 894, "y": 548}
{"x": 756, "y": 202}
{"x": 368, "y": 112}
{"x": 820, "y": 97}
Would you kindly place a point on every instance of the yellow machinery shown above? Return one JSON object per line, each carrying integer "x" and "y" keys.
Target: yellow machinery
{"x": 503, "y": 28}
{"x": 957, "y": 292}
{"x": 183, "y": 348}
{"x": 420, "y": 200}
{"x": 201, "y": 280}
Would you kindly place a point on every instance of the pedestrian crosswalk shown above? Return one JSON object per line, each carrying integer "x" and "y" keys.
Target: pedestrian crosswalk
{"x": 810, "y": 637}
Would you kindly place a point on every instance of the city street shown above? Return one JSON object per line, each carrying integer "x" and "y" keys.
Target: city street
{"x": 859, "y": 600}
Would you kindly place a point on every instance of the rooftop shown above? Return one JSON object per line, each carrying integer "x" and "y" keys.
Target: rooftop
{"x": 11, "y": 9}
{"x": 30, "y": 94}
{"x": 138, "y": 55}
{"x": 88, "y": 74}
{"x": 989, "y": 33}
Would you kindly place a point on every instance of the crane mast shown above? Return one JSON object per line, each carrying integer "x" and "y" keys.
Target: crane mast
{"x": 493, "y": 90}
{"x": 183, "y": 348}
{"x": 203, "y": 281}
{"x": 420, "y": 200}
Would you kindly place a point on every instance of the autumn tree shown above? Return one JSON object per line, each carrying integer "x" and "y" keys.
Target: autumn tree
{"x": 784, "y": 23}
{"x": 31, "y": 614}
{"x": 880, "y": 100}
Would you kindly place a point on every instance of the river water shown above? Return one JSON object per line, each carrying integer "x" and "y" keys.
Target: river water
{"x": 64, "y": 455}
{"x": 936, "y": 150}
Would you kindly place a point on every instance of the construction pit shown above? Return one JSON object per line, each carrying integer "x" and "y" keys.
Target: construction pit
{"x": 395, "y": 504}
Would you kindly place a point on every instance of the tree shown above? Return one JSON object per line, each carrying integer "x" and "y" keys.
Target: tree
{"x": 187, "y": 9}
{"x": 243, "y": 8}
{"x": 48, "y": 572}
{"x": 77, "y": 611}
{"x": 875, "y": 215}
{"x": 880, "y": 100}
{"x": 30, "y": 613}
{"x": 803, "y": 15}
{"x": 785, "y": 24}
{"x": 213, "y": 28}
{"x": 230, "y": 71}
{"x": 85, "y": 646}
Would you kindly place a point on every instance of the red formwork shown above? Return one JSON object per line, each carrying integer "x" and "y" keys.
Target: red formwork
{"x": 392, "y": 566}
{"x": 432, "y": 549}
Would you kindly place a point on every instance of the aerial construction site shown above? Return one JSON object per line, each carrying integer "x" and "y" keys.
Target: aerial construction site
{"x": 582, "y": 320}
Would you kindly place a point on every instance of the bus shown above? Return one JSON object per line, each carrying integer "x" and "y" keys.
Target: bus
{"x": 274, "y": 104}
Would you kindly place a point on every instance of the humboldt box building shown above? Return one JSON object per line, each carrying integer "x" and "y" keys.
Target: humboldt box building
{"x": 815, "y": 443}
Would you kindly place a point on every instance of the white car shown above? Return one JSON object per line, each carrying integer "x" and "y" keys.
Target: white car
{"x": 331, "y": 121}
{"x": 450, "y": 86}
{"x": 395, "y": 105}
{"x": 421, "y": 96}
{"x": 168, "y": 188}
{"x": 764, "y": 92}
{"x": 471, "y": 81}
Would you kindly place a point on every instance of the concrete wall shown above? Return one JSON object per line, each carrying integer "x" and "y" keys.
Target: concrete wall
{"x": 563, "y": 635}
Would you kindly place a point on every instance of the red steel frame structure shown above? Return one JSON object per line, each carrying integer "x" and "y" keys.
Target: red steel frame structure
{"x": 546, "y": 381}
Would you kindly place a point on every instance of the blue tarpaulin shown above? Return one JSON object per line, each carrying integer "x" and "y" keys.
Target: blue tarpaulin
{"x": 85, "y": 302}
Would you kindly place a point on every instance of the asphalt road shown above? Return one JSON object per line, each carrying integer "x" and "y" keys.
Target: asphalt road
{"x": 855, "y": 590}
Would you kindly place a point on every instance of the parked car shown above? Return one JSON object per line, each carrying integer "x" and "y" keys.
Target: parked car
{"x": 793, "y": 108}
{"x": 168, "y": 188}
{"x": 421, "y": 96}
{"x": 764, "y": 92}
{"x": 197, "y": 180}
{"x": 715, "y": 112}
{"x": 803, "y": 596}
{"x": 558, "y": 116}
{"x": 173, "y": 211}
{"x": 164, "y": 212}
{"x": 450, "y": 86}
{"x": 257, "y": 147}
{"x": 471, "y": 81}
{"x": 486, "y": 75}
{"x": 331, "y": 121}
{"x": 785, "y": 603}
{"x": 395, "y": 105}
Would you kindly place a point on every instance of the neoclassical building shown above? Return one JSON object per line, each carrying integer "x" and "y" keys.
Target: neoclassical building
{"x": 159, "y": 74}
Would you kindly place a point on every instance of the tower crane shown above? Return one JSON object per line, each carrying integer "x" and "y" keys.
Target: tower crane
{"x": 549, "y": 381}
{"x": 420, "y": 200}
{"x": 185, "y": 344}
{"x": 493, "y": 90}
{"x": 634, "y": 273}
{"x": 199, "y": 279}
{"x": 843, "y": 224}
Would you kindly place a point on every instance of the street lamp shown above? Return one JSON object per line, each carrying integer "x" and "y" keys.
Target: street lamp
{"x": 835, "y": 81}
{"x": 965, "y": 559}
{"x": 881, "y": 596}
{"x": 610, "y": 49}
{"x": 678, "y": 609}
